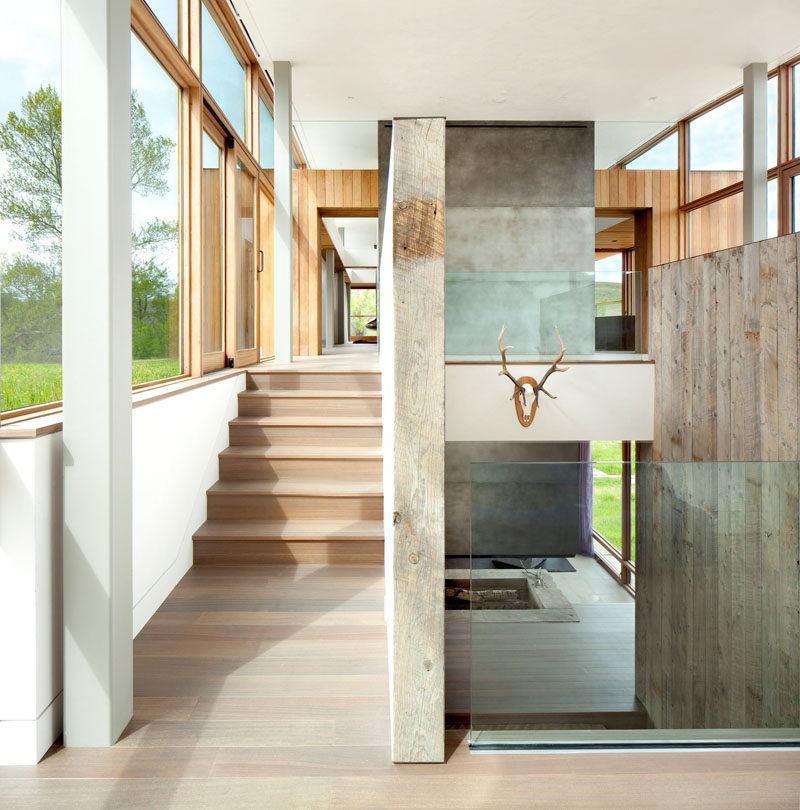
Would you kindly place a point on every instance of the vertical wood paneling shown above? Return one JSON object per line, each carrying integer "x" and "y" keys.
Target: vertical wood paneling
{"x": 718, "y": 588}
{"x": 314, "y": 190}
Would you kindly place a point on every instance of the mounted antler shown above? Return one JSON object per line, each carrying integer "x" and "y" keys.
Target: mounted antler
{"x": 518, "y": 389}
{"x": 519, "y": 384}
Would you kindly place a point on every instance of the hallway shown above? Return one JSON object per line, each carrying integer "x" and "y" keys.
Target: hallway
{"x": 266, "y": 687}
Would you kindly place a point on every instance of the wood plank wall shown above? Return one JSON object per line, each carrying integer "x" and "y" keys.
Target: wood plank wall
{"x": 718, "y": 544}
{"x": 340, "y": 193}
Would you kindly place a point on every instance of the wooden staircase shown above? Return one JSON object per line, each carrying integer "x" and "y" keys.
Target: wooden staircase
{"x": 302, "y": 478}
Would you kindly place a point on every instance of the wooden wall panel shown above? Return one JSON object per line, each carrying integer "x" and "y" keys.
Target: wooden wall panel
{"x": 355, "y": 193}
{"x": 718, "y": 541}
{"x": 415, "y": 533}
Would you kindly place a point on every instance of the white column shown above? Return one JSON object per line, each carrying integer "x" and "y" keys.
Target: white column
{"x": 755, "y": 152}
{"x": 98, "y": 647}
{"x": 283, "y": 267}
{"x": 330, "y": 297}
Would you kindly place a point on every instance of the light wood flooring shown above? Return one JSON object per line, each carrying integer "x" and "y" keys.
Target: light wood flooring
{"x": 266, "y": 687}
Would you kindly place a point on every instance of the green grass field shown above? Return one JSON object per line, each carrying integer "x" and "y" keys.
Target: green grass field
{"x": 605, "y": 292}
{"x": 607, "y": 502}
{"x": 26, "y": 384}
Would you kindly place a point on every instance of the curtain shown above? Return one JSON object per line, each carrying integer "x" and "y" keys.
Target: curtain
{"x": 585, "y": 502}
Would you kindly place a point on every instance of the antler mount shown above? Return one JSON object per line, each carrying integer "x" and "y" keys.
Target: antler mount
{"x": 520, "y": 393}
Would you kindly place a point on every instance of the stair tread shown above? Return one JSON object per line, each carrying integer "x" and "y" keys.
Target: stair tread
{"x": 289, "y": 486}
{"x": 304, "y": 394}
{"x": 293, "y": 529}
{"x": 309, "y": 421}
{"x": 304, "y": 451}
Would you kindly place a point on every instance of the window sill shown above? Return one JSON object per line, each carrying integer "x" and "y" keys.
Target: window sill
{"x": 38, "y": 424}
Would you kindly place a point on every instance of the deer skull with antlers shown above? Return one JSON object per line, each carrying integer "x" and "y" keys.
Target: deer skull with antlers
{"x": 520, "y": 393}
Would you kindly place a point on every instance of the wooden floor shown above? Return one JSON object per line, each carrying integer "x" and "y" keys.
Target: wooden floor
{"x": 266, "y": 687}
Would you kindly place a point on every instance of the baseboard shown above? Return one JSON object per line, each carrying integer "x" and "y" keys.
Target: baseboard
{"x": 25, "y": 742}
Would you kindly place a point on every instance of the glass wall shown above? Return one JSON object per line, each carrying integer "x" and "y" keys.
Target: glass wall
{"x": 363, "y": 311}
{"x": 30, "y": 204}
{"x": 562, "y": 655}
{"x": 155, "y": 214}
{"x": 222, "y": 73}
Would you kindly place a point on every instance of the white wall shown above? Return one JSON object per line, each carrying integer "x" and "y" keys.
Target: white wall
{"x": 595, "y": 401}
{"x": 175, "y": 445}
{"x": 30, "y": 597}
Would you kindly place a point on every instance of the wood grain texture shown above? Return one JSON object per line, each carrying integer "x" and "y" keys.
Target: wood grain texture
{"x": 336, "y": 192}
{"x": 718, "y": 619}
{"x": 417, "y": 187}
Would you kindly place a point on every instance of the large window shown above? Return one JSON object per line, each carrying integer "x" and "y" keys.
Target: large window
{"x": 608, "y": 285}
{"x": 715, "y": 148}
{"x": 155, "y": 249}
{"x": 30, "y": 204}
{"x": 167, "y": 12}
{"x": 663, "y": 155}
{"x": 266, "y": 136}
{"x": 222, "y": 73}
{"x": 796, "y": 110}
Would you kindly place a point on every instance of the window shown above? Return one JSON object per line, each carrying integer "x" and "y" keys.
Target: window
{"x": 245, "y": 258}
{"x": 772, "y": 208}
{"x": 363, "y": 311}
{"x": 796, "y": 203}
{"x": 663, "y": 155}
{"x": 30, "y": 204}
{"x": 796, "y": 86}
{"x": 715, "y": 148}
{"x": 222, "y": 73}
{"x": 608, "y": 285}
{"x": 772, "y": 121}
{"x": 167, "y": 13}
{"x": 266, "y": 137}
{"x": 213, "y": 245}
{"x": 155, "y": 214}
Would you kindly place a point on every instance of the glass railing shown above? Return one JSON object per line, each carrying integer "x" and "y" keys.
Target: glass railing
{"x": 561, "y": 655}
{"x": 597, "y": 318}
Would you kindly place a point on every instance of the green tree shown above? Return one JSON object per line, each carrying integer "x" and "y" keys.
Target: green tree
{"x": 30, "y": 199}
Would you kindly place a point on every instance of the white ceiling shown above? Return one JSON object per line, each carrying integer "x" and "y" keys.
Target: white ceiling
{"x": 635, "y": 65}
{"x": 355, "y": 239}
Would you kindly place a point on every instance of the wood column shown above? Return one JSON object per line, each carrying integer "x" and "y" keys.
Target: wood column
{"x": 412, "y": 349}
{"x": 98, "y": 645}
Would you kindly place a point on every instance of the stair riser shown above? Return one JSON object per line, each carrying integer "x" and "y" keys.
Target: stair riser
{"x": 333, "y": 552}
{"x": 333, "y": 435}
{"x": 266, "y": 406}
{"x": 243, "y": 506}
{"x": 316, "y": 469}
{"x": 308, "y": 381}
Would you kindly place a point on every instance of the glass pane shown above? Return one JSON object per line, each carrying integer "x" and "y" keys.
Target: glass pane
{"x": 772, "y": 122}
{"x": 222, "y": 73}
{"x": 772, "y": 208}
{"x": 716, "y": 226}
{"x": 796, "y": 203}
{"x": 30, "y": 204}
{"x": 266, "y": 137}
{"x": 245, "y": 259}
{"x": 167, "y": 13}
{"x": 363, "y": 311}
{"x": 155, "y": 213}
{"x": 213, "y": 242}
{"x": 608, "y": 285}
{"x": 796, "y": 85}
{"x": 704, "y": 653}
{"x": 715, "y": 148}
{"x": 664, "y": 155}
